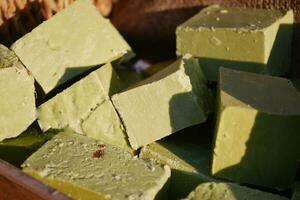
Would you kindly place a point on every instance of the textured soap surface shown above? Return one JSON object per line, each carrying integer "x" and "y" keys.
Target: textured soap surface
{"x": 17, "y": 110}
{"x": 85, "y": 168}
{"x": 85, "y": 107}
{"x": 188, "y": 153}
{"x": 70, "y": 43}
{"x": 17, "y": 150}
{"x": 257, "y": 129}
{"x": 228, "y": 191}
{"x": 257, "y": 40}
{"x": 173, "y": 99}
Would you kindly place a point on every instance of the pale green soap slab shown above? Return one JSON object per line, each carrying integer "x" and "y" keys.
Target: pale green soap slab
{"x": 188, "y": 153}
{"x": 255, "y": 40}
{"x": 85, "y": 107}
{"x": 229, "y": 191}
{"x": 257, "y": 131}
{"x": 17, "y": 110}
{"x": 173, "y": 99}
{"x": 17, "y": 150}
{"x": 85, "y": 168}
{"x": 70, "y": 43}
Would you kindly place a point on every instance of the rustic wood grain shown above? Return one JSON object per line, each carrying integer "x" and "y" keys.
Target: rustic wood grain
{"x": 15, "y": 185}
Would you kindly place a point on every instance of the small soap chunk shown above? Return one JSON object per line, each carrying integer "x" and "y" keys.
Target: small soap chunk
{"x": 229, "y": 191}
{"x": 254, "y": 40}
{"x": 17, "y": 96}
{"x": 85, "y": 168}
{"x": 170, "y": 100}
{"x": 17, "y": 150}
{"x": 296, "y": 193}
{"x": 85, "y": 107}
{"x": 188, "y": 153}
{"x": 68, "y": 44}
{"x": 257, "y": 135}
{"x": 296, "y": 83}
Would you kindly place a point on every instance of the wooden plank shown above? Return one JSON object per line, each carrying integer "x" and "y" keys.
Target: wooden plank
{"x": 14, "y": 184}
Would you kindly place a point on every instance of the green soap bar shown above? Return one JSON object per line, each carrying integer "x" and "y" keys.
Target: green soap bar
{"x": 85, "y": 107}
{"x": 68, "y": 44}
{"x": 17, "y": 110}
{"x": 85, "y": 168}
{"x": 257, "y": 131}
{"x": 296, "y": 193}
{"x": 229, "y": 191}
{"x": 17, "y": 150}
{"x": 247, "y": 39}
{"x": 188, "y": 154}
{"x": 166, "y": 102}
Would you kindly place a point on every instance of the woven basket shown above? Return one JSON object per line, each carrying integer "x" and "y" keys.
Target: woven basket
{"x": 20, "y": 16}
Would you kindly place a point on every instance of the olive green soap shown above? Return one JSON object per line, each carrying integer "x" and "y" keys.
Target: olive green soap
{"x": 85, "y": 107}
{"x": 229, "y": 191}
{"x": 17, "y": 96}
{"x": 257, "y": 131}
{"x": 189, "y": 156}
{"x": 170, "y": 100}
{"x": 254, "y": 40}
{"x": 17, "y": 150}
{"x": 68, "y": 44}
{"x": 85, "y": 168}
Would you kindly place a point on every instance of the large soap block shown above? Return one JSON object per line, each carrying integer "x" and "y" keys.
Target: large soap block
{"x": 254, "y": 40}
{"x": 85, "y": 107}
{"x": 70, "y": 43}
{"x": 17, "y": 150}
{"x": 229, "y": 191}
{"x": 257, "y": 131}
{"x": 166, "y": 102}
{"x": 188, "y": 153}
{"x": 17, "y": 96}
{"x": 85, "y": 168}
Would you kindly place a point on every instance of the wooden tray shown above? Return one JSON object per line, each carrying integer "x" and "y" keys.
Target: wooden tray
{"x": 16, "y": 185}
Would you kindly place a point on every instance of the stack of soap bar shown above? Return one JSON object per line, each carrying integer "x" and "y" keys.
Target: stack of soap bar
{"x": 17, "y": 150}
{"x": 166, "y": 102}
{"x": 257, "y": 131}
{"x": 17, "y": 101}
{"x": 85, "y": 168}
{"x": 228, "y": 191}
{"x": 254, "y": 40}
{"x": 85, "y": 107}
{"x": 70, "y": 43}
{"x": 188, "y": 153}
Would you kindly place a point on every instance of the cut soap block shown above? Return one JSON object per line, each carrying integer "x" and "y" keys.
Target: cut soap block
{"x": 257, "y": 134}
{"x": 85, "y": 168}
{"x": 229, "y": 191}
{"x": 170, "y": 100}
{"x": 68, "y": 44}
{"x": 254, "y": 40}
{"x": 17, "y": 150}
{"x": 85, "y": 107}
{"x": 188, "y": 153}
{"x": 17, "y": 101}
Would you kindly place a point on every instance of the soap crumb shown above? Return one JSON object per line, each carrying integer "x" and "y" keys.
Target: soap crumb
{"x": 224, "y": 11}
